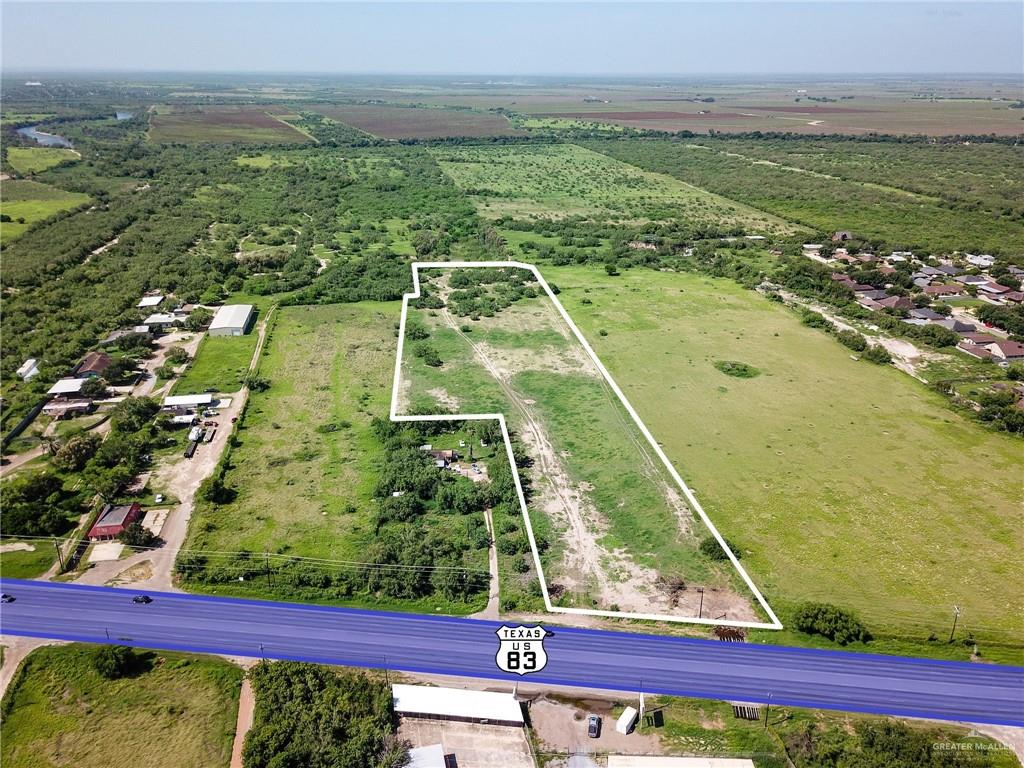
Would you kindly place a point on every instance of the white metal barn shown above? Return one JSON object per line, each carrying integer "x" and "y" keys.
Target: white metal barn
{"x": 232, "y": 320}
{"x": 431, "y": 703}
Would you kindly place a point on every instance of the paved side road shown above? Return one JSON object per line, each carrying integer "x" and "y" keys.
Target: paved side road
{"x": 982, "y": 693}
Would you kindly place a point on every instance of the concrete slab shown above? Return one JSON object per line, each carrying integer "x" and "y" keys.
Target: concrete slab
{"x": 474, "y": 746}
{"x": 106, "y": 551}
{"x": 154, "y": 520}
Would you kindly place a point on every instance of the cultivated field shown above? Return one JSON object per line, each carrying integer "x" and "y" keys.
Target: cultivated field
{"x": 556, "y": 181}
{"x": 857, "y": 108}
{"x": 26, "y": 160}
{"x": 623, "y": 537}
{"x": 249, "y": 125}
{"x": 838, "y": 480}
{"x": 394, "y": 122}
{"x": 178, "y": 711}
{"x": 27, "y": 202}
{"x": 896, "y": 194}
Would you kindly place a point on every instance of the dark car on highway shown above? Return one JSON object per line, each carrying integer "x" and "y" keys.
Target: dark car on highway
{"x": 5, "y": 598}
{"x": 143, "y": 599}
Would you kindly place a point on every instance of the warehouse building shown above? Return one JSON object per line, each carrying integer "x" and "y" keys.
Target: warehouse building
{"x": 484, "y": 707}
{"x": 232, "y": 320}
{"x": 174, "y": 402}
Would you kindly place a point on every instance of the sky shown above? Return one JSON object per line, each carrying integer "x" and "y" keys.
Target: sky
{"x": 525, "y": 38}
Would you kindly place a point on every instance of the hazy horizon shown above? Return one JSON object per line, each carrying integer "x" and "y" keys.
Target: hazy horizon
{"x": 508, "y": 40}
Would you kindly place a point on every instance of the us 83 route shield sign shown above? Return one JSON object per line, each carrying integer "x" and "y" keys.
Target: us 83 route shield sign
{"x": 521, "y": 649}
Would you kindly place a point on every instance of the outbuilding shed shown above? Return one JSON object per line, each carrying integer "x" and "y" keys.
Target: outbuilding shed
{"x": 232, "y": 320}
{"x": 188, "y": 401}
{"x": 66, "y": 387}
{"x": 431, "y": 703}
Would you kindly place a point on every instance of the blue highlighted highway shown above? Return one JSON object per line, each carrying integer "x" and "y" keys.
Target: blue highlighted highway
{"x": 620, "y": 661}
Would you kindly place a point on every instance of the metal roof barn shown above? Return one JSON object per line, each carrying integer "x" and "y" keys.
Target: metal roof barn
{"x": 187, "y": 401}
{"x": 66, "y": 387}
{"x": 457, "y": 704}
{"x": 231, "y": 320}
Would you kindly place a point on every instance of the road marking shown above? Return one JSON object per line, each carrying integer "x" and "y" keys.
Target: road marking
{"x": 500, "y": 418}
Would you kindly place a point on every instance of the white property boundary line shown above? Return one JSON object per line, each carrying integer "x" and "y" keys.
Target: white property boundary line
{"x": 500, "y": 417}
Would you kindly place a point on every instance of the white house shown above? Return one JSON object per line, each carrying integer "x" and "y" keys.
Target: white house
{"x": 66, "y": 387}
{"x": 29, "y": 369}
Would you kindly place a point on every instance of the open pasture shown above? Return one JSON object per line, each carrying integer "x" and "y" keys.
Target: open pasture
{"x": 561, "y": 180}
{"x": 244, "y": 125}
{"x": 28, "y": 160}
{"x": 27, "y": 202}
{"x": 395, "y": 122}
{"x": 838, "y": 480}
{"x": 307, "y": 462}
{"x": 622, "y": 533}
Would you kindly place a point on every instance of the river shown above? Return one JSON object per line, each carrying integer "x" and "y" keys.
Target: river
{"x": 45, "y": 139}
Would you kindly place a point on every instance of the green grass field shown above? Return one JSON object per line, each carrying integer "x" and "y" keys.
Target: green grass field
{"x": 22, "y": 564}
{"x": 304, "y": 492}
{"x": 178, "y": 713}
{"x": 838, "y": 480}
{"x": 35, "y": 159}
{"x": 27, "y": 202}
{"x": 221, "y": 363}
{"x": 603, "y": 452}
{"x": 563, "y": 180}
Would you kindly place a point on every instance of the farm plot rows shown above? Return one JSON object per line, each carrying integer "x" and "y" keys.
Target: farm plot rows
{"x": 563, "y": 180}
{"x": 222, "y": 125}
{"x": 395, "y": 122}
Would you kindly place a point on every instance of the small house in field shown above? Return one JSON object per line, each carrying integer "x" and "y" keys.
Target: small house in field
{"x": 28, "y": 369}
{"x": 113, "y": 520}
{"x": 232, "y": 320}
{"x": 93, "y": 364}
{"x": 61, "y": 408}
{"x": 841, "y": 237}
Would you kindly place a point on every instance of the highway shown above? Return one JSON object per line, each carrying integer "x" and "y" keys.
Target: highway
{"x": 621, "y": 661}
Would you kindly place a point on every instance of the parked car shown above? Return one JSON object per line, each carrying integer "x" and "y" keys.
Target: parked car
{"x": 142, "y": 599}
{"x": 593, "y": 726}
{"x": 159, "y": 498}
{"x": 5, "y": 598}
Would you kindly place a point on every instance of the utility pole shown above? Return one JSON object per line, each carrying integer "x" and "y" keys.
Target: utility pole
{"x": 266, "y": 561}
{"x": 60, "y": 555}
{"x": 767, "y": 709}
{"x": 387, "y": 673}
{"x": 700, "y": 610}
{"x": 956, "y": 615}
{"x": 262, "y": 655}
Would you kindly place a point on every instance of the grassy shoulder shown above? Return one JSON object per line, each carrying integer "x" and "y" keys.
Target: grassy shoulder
{"x": 178, "y": 711}
{"x": 823, "y": 509}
